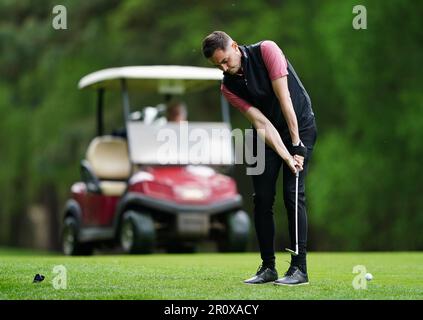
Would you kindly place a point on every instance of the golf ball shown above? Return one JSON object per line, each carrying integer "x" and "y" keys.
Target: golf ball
{"x": 368, "y": 276}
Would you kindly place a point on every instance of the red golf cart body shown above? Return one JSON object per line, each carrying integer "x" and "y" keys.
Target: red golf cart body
{"x": 128, "y": 197}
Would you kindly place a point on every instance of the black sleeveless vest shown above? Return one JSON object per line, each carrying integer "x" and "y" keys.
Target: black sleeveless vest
{"x": 255, "y": 87}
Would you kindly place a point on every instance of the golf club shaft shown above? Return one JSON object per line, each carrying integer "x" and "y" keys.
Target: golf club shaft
{"x": 296, "y": 211}
{"x": 296, "y": 252}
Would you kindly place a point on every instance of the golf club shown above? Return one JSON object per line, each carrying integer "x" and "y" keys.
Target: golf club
{"x": 295, "y": 253}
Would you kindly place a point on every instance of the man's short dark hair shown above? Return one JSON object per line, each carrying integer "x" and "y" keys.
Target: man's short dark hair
{"x": 214, "y": 41}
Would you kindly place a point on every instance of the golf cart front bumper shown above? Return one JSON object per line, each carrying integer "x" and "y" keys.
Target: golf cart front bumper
{"x": 176, "y": 208}
{"x": 184, "y": 221}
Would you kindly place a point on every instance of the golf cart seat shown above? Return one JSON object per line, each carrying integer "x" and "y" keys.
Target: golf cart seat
{"x": 108, "y": 160}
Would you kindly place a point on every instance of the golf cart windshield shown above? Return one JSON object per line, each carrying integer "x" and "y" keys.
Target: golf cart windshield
{"x": 206, "y": 143}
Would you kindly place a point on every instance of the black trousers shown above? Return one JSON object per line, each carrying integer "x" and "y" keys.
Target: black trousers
{"x": 264, "y": 197}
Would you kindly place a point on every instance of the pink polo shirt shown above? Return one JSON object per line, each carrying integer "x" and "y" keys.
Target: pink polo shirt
{"x": 276, "y": 66}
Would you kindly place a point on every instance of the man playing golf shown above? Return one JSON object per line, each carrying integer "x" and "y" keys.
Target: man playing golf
{"x": 261, "y": 83}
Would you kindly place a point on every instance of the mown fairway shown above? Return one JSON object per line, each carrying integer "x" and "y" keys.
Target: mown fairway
{"x": 206, "y": 276}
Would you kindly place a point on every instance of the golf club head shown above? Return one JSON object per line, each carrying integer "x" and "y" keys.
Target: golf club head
{"x": 295, "y": 253}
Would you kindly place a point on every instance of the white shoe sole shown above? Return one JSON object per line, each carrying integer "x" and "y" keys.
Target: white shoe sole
{"x": 255, "y": 284}
{"x": 290, "y": 285}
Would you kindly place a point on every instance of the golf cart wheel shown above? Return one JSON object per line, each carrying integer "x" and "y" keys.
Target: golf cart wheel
{"x": 137, "y": 233}
{"x": 235, "y": 236}
{"x": 70, "y": 244}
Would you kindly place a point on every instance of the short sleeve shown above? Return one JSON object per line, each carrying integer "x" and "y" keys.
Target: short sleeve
{"x": 234, "y": 100}
{"x": 274, "y": 60}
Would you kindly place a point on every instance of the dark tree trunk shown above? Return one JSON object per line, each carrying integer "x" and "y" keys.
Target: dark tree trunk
{"x": 51, "y": 202}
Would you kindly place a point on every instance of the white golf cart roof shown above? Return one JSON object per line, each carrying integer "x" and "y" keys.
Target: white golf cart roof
{"x": 162, "y": 79}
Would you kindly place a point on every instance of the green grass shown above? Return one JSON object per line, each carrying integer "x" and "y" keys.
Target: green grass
{"x": 206, "y": 276}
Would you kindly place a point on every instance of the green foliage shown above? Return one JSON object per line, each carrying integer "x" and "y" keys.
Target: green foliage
{"x": 373, "y": 191}
{"x": 365, "y": 178}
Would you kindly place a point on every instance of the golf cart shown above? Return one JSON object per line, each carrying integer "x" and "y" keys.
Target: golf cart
{"x": 135, "y": 194}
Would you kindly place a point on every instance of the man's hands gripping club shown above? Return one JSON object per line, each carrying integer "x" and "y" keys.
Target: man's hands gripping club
{"x": 295, "y": 163}
{"x": 299, "y": 151}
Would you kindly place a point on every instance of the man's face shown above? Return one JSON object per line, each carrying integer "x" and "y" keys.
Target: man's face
{"x": 228, "y": 60}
